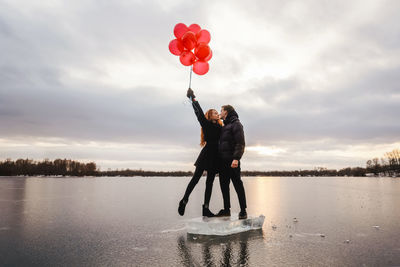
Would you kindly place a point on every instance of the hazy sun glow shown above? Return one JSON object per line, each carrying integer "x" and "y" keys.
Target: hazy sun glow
{"x": 265, "y": 150}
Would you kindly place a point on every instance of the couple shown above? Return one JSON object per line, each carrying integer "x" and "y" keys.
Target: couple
{"x": 223, "y": 146}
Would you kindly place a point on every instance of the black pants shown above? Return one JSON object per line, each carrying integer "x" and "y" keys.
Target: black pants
{"x": 195, "y": 179}
{"x": 227, "y": 173}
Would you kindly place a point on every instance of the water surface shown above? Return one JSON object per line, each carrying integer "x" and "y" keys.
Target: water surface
{"x": 134, "y": 221}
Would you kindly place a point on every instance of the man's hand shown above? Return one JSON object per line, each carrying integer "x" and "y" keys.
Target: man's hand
{"x": 235, "y": 163}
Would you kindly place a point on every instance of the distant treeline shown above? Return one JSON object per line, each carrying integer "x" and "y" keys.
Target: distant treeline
{"x": 357, "y": 171}
{"x": 388, "y": 165}
{"x": 29, "y": 167}
{"x": 129, "y": 172}
{"x": 67, "y": 167}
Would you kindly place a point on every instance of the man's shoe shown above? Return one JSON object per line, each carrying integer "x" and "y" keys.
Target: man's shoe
{"x": 224, "y": 213}
{"x": 207, "y": 212}
{"x": 182, "y": 206}
{"x": 242, "y": 215}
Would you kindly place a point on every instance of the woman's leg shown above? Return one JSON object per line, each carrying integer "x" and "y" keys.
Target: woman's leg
{"x": 209, "y": 186}
{"x": 195, "y": 179}
{"x": 224, "y": 181}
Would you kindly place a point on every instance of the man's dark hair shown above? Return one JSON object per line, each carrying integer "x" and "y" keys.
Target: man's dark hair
{"x": 228, "y": 108}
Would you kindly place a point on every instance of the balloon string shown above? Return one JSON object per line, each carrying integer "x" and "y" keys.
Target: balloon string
{"x": 190, "y": 81}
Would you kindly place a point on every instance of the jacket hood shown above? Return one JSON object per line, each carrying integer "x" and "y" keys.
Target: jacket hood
{"x": 232, "y": 116}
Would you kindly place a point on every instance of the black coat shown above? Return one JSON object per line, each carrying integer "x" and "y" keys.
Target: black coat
{"x": 231, "y": 142}
{"x": 208, "y": 157}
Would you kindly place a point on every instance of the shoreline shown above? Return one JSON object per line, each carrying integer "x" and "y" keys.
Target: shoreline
{"x": 171, "y": 176}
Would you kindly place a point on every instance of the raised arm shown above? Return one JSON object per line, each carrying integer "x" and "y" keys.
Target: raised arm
{"x": 197, "y": 108}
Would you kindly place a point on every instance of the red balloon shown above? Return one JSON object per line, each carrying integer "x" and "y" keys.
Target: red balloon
{"x": 201, "y": 67}
{"x": 194, "y": 28}
{"x": 176, "y": 47}
{"x": 209, "y": 56}
{"x": 189, "y": 40}
{"x": 203, "y": 36}
{"x": 187, "y": 58}
{"x": 202, "y": 51}
{"x": 180, "y": 29}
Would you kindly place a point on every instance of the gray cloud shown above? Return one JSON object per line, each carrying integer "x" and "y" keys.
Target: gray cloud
{"x": 139, "y": 115}
{"x": 40, "y": 46}
{"x": 359, "y": 111}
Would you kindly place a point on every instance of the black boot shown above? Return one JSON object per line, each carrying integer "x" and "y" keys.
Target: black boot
{"x": 182, "y": 206}
{"x": 224, "y": 213}
{"x": 207, "y": 212}
{"x": 242, "y": 215}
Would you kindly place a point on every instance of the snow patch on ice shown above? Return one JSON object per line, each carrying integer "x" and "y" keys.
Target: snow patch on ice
{"x": 223, "y": 225}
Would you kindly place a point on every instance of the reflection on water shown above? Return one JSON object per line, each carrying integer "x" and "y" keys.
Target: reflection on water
{"x": 229, "y": 250}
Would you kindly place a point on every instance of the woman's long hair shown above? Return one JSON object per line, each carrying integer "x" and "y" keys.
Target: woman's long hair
{"x": 208, "y": 117}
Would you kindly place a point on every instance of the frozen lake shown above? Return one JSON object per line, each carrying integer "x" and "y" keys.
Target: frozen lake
{"x": 134, "y": 221}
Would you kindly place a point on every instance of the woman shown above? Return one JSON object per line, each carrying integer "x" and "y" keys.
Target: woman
{"x": 210, "y": 132}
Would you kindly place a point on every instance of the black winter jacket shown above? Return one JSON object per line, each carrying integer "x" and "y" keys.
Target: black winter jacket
{"x": 231, "y": 143}
{"x": 208, "y": 157}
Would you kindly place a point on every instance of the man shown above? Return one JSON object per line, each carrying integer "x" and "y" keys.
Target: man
{"x": 230, "y": 149}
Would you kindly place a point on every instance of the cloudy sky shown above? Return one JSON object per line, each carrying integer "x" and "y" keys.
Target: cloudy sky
{"x": 315, "y": 83}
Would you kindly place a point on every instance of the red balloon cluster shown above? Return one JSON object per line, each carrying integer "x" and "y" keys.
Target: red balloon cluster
{"x": 191, "y": 45}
